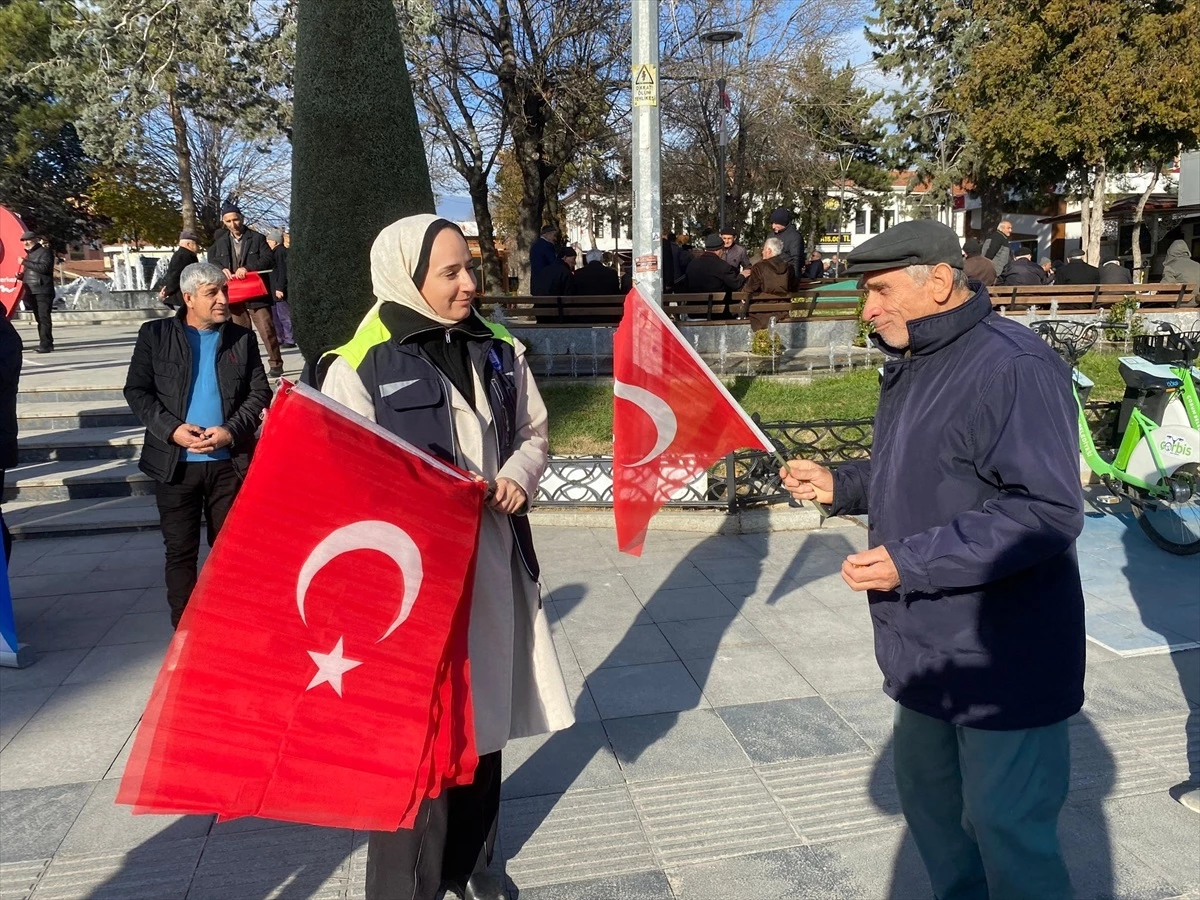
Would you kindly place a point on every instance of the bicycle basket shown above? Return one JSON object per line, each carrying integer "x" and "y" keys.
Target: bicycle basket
{"x": 1168, "y": 349}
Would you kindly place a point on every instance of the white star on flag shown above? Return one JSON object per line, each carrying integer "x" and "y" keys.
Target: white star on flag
{"x": 331, "y": 667}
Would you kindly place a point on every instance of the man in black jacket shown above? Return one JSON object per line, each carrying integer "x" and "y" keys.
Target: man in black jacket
{"x": 1076, "y": 271}
{"x": 184, "y": 256}
{"x": 556, "y": 280}
{"x": 1112, "y": 272}
{"x": 37, "y": 272}
{"x": 974, "y": 506}
{"x": 709, "y": 274}
{"x": 793, "y": 244}
{"x": 595, "y": 278}
{"x": 197, "y": 383}
{"x": 237, "y": 251}
{"x": 281, "y": 312}
{"x": 1021, "y": 269}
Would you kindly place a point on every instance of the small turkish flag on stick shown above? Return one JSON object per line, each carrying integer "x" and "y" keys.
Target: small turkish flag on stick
{"x": 672, "y": 418}
{"x": 321, "y": 677}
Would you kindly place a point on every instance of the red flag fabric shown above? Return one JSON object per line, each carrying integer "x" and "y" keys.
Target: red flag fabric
{"x": 672, "y": 418}
{"x": 252, "y": 287}
{"x": 320, "y": 674}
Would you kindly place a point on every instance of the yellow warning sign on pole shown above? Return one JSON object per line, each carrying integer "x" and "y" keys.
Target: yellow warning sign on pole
{"x": 645, "y": 85}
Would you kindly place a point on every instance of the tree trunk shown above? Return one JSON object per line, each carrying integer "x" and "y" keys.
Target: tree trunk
{"x": 489, "y": 262}
{"x": 1138, "y": 215}
{"x": 183, "y": 156}
{"x": 1096, "y": 214}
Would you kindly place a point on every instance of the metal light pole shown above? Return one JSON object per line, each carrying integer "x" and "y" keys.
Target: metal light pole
{"x": 718, "y": 39}
{"x": 844, "y": 160}
{"x": 647, "y": 200}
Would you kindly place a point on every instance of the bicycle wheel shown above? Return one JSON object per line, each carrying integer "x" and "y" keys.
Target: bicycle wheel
{"x": 1175, "y": 527}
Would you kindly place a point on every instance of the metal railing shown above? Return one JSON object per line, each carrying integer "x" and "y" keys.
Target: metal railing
{"x": 750, "y": 478}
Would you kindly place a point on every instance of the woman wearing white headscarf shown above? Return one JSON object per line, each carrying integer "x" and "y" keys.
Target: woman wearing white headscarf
{"x": 427, "y": 367}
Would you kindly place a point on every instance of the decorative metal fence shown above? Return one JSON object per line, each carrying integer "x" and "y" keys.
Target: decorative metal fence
{"x": 750, "y": 477}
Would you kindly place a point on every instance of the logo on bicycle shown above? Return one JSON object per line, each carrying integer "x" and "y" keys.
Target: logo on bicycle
{"x": 1175, "y": 446}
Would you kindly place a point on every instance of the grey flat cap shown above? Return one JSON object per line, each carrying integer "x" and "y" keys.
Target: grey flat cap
{"x": 918, "y": 243}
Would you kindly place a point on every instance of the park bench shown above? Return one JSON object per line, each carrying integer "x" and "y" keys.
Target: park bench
{"x": 1090, "y": 297}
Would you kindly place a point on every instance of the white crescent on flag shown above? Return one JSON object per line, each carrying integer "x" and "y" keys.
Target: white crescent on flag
{"x": 371, "y": 534}
{"x": 660, "y": 413}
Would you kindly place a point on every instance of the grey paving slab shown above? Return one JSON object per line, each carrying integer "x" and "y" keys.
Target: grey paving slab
{"x": 151, "y": 873}
{"x": 1157, "y": 830}
{"x": 674, "y": 744}
{"x": 80, "y": 605}
{"x": 795, "y": 873}
{"x": 701, "y": 637}
{"x": 789, "y": 729}
{"x": 646, "y": 582}
{"x": 64, "y": 563}
{"x": 638, "y": 645}
{"x": 579, "y": 757}
{"x": 78, "y": 707}
{"x": 696, "y": 818}
{"x": 644, "y": 689}
{"x": 638, "y": 886}
{"x": 869, "y": 713}
{"x": 835, "y": 797}
{"x": 34, "y": 821}
{"x": 103, "y": 826}
{"x": 17, "y": 706}
{"x": 810, "y": 625}
{"x": 885, "y": 865}
{"x": 44, "y": 758}
{"x": 836, "y": 667}
{"x": 97, "y": 581}
{"x": 298, "y": 861}
{"x": 134, "y": 628}
{"x": 581, "y": 836}
{"x": 17, "y": 879}
{"x": 50, "y": 670}
{"x": 66, "y": 633}
{"x": 701, "y": 602}
{"x": 580, "y": 695}
{"x": 747, "y": 675}
{"x": 123, "y": 662}
{"x": 1101, "y": 867}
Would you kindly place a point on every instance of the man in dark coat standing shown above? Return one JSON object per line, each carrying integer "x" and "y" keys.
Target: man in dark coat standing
{"x": 1076, "y": 271}
{"x": 281, "y": 312}
{"x": 557, "y": 280}
{"x": 1021, "y": 269}
{"x": 237, "y": 251}
{"x": 543, "y": 253}
{"x": 793, "y": 244}
{"x": 201, "y": 412}
{"x": 709, "y": 274}
{"x": 184, "y": 256}
{"x": 37, "y": 273}
{"x": 995, "y": 246}
{"x": 972, "y": 579}
{"x": 595, "y": 278}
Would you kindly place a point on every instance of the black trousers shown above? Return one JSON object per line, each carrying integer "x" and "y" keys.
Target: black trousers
{"x": 453, "y": 838}
{"x": 199, "y": 489}
{"x": 42, "y": 304}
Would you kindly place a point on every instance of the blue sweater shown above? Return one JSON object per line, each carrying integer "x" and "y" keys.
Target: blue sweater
{"x": 204, "y": 401}
{"x": 973, "y": 487}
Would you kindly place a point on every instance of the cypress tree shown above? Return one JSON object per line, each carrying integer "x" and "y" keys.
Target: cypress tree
{"x": 358, "y": 163}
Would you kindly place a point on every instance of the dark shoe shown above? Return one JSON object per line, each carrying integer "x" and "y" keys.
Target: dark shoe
{"x": 276, "y": 372}
{"x": 45, "y": 349}
{"x": 481, "y": 886}
{"x": 287, "y": 346}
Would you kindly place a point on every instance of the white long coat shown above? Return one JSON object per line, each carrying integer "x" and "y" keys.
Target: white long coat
{"x": 516, "y": 682}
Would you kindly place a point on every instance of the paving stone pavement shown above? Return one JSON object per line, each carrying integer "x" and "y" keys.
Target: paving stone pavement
{"x": 732, "y": 739}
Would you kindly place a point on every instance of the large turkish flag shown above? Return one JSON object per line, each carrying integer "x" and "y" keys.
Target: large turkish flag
{"x": 672, "y": 418}
{"x": 319, "y": 674}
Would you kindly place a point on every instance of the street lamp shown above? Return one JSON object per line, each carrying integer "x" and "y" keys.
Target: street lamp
{"x": 843, "y": 149}
{"x": 719, "y": 38}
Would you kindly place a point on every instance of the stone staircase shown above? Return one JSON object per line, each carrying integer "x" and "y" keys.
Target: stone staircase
{"x": 77, "y": 471}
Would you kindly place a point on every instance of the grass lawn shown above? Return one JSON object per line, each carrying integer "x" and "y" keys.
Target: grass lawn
{"x": 581, "y": 414}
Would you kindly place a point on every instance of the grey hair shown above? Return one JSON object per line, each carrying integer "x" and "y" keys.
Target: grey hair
{"x": 920, "y": 275}
{"x": 774, "y": 244}
{"x": 594, "y": 255}
{"x": 199, "y": 273}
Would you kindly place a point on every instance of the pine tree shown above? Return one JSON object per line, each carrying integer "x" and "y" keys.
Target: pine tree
{"x": 358, "y": 163}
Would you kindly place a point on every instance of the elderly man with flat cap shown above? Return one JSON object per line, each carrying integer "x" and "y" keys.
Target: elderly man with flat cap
{"x": 974, "y": 505}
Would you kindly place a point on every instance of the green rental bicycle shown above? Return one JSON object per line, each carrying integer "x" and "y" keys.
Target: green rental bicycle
{"x": 1156, "y": 465}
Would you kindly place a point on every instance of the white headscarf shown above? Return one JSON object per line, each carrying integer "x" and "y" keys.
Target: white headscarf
{"x": 394, "y": 258}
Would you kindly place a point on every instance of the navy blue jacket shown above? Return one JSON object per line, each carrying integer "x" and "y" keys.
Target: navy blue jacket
{"x": 973, "y": 487}
{"x": 541, "y": 254}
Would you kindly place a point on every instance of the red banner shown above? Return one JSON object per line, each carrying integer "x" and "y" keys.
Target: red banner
{"x": 11, "y": 252}
{"x": 321, "y": 676}
{"x": 672, "y": 418}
